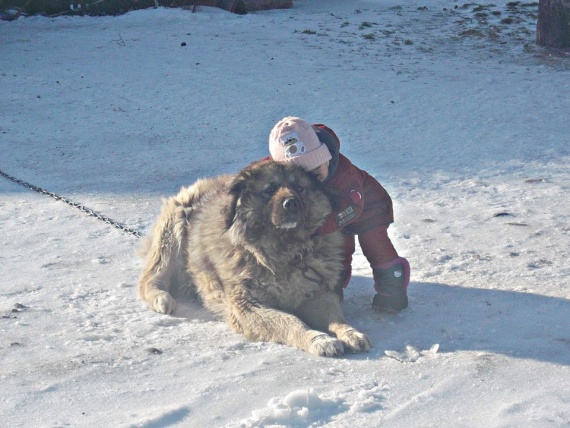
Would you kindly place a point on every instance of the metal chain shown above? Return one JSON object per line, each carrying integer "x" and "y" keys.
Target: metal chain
{"x": 69, "y": 202}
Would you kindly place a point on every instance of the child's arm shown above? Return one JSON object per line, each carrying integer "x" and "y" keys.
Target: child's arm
{"x": 347, "y": 188}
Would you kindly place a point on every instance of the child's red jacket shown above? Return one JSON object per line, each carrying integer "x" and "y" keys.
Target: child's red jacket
{"x": 361, "y": 203}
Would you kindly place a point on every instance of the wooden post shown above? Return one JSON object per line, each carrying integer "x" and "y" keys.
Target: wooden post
{"x": 553, "y": 27}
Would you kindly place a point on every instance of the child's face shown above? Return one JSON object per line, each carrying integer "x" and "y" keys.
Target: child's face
{"x": 322, "y": 171}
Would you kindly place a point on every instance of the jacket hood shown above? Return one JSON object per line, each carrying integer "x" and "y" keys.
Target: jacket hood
{"x": 329, "y": 138}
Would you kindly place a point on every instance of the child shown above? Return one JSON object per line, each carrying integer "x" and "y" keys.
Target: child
{"x": 362, "y": 206}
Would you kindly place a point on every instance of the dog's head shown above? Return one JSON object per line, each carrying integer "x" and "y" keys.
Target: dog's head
{"x": 269, "y": 197}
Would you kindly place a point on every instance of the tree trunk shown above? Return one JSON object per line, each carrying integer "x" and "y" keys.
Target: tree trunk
{"x": 553, "y": 27}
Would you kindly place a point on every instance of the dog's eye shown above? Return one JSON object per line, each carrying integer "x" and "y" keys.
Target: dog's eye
{"x": 298, "y": 188}
{"x": 269, "y": 190}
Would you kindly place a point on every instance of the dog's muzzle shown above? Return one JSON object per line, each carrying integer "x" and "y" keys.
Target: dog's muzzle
{"x": 288, "y": 214}
{"x": 291, "y": 204}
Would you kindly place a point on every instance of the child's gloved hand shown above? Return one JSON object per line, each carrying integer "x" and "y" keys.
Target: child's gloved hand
{"x": 391, "y": 281}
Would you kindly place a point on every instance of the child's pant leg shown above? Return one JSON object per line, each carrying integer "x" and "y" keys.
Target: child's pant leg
{"x": 377, "y": 247}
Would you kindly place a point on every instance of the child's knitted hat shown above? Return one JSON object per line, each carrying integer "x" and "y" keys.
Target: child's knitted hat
{"x": 294, "y": 140}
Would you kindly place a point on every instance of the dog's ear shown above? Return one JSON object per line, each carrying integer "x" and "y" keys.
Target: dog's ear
{"x": 236, "y": 189}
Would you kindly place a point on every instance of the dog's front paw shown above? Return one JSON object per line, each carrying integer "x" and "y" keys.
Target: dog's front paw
{"x": 324, "y": 345}
{"x": 163, "y": 303}
{"x": 354, "y": 340}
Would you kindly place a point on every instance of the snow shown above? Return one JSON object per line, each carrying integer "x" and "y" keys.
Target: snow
{"x": 460, "y": 116}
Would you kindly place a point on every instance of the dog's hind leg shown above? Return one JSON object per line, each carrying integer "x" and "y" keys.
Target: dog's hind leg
{"x": 164, "y": 259}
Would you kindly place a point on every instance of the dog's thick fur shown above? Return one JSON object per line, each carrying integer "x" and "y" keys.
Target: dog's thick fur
{"x": 247, "y": 245}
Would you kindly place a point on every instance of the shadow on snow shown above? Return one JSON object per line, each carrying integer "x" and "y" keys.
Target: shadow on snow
{"x": 516, "y": 324}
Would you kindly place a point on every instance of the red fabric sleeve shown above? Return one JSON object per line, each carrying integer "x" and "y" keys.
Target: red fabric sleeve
{"x": 378, "y": 210}
{"x": 346, "y": 186}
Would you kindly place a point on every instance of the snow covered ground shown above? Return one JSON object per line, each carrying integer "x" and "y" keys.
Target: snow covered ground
{"x": 451, "y": 106}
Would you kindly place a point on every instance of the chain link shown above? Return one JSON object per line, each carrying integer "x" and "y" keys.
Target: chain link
{"x": 69, "y": 202}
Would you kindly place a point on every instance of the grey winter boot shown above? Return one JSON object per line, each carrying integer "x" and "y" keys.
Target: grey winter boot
{"x": 391, "y": 283}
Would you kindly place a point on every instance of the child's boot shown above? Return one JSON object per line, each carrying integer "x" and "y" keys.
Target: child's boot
{"x": 391, "y": 281}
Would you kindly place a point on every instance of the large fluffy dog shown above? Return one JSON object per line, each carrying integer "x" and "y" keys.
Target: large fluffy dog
{"x": 247, "y": 245}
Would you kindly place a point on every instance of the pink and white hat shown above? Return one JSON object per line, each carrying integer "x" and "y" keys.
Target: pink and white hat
{"x": 294, "y": 140}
